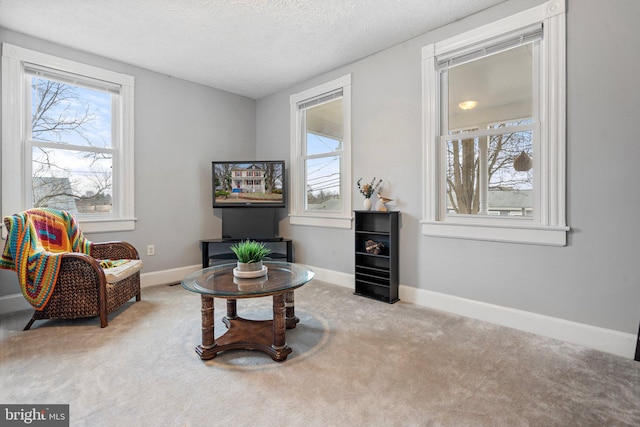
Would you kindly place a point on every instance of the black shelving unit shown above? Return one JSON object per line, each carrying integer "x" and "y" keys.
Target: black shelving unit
{"x": 377, "y": 270}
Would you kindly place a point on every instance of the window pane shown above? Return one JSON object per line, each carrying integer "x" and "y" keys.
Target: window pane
{"x": 318, "y": 144}
{"x": 500, "y": 85}
{"x": 324, "y": 127}
{"x": 322, "y": 176}
{"x": 491, "y": 175}
{"x": 72, "y": 180}
{"x": 70, "y": 114}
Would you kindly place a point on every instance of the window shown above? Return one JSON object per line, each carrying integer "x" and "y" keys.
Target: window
{"x": 68, "y": 134}
{"x": 494, "y": 131}
{"x": 321, "y": 155}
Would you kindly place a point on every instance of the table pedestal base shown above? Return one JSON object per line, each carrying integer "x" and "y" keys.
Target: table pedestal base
{"x": 290, "y": 312}
{"x": 248, "y": 335}
{"x": 267, "y": 336}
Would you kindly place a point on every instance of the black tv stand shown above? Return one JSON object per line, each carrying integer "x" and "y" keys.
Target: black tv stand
{"x": 249, "y": 223}
{"x": 222, "y": 253}
{"x": 235, "y": 240}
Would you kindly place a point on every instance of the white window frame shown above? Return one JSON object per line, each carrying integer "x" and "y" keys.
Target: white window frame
{"x": 16, "y": 156}
{"x": 549, "y": 225}
{"x": 298, "y": 215}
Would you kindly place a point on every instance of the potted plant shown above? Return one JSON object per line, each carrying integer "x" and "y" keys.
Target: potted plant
{"x": 367, "y": 189}
{"x": 250, "y": 255}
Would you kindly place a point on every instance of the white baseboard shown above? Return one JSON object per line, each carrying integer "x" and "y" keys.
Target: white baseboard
{"x": 167, "y": 277}
{"x": 13, "y": 302}
{"x": 335, "y": 277}
{"x": 607, "y": 340}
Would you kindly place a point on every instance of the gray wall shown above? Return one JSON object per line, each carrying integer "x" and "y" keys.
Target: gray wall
{"x": 180, "y": 127}
{"x": 595, "y": 279}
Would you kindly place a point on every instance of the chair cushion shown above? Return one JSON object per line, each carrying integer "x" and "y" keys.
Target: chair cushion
{"x": 122, "y": 270}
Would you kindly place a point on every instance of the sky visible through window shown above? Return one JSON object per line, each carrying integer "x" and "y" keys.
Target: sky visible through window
{"x": 323, "y": 173}
{"x": 60, "y": 108}
{"x": 78, "y": 120}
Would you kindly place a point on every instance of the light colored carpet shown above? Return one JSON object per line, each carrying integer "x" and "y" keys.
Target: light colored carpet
{"x": 355, "y": 362}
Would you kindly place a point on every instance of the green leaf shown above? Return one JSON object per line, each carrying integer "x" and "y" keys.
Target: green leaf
{"x": 249, "y": 251}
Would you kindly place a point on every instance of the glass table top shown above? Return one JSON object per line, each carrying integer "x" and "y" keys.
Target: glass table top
{"x": 219, "y": 281}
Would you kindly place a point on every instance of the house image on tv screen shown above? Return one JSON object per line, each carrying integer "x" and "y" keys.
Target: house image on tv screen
{"x": 259, "y": 183}
{"x": 247, "y": 180}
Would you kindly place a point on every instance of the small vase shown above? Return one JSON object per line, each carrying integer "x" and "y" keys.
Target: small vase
{"x": 366, "y": 205}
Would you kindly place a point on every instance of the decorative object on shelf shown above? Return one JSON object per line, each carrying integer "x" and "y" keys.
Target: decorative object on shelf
{"x": 372, "y": 247}
{"x": 523, "y": 162}
{"x": 367, "y": 189}
{"x": 250, "y": 255}
{"x": 382, "y": 203}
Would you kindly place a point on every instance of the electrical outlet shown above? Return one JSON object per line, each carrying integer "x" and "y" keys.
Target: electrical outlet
{"x": 151, "y": 250}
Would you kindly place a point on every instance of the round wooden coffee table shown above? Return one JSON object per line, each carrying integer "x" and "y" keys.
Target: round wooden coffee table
{"x": 264, "y": 335}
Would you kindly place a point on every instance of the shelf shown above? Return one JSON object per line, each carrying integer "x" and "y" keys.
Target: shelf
{"x": 270, "y": 240}
{"x": 365, "y": 269}
{"x": 376, "y": 275}
{"x": 218, "y": 250}
{"x": 372, "y": 280}
{"x": 374, "y": 221}
{"x": 373, "y": 255}
{"x": 376, "y": 233}
{"x": 231, "y": 257}
{"x": 373, "y": 285}
{"x": 373, "y": 261}
{"x": 376, "y": 292}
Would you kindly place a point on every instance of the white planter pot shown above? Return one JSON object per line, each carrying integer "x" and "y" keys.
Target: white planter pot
{"x": 249, "y": 266}
{"x": 248, "y": 270}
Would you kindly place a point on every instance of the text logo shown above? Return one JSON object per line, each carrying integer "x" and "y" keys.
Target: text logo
{"x": 35, "y": 415}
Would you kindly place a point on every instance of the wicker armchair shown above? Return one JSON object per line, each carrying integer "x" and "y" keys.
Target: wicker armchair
{"x": 61, "y": 273}
{"x": 82, "y": 289}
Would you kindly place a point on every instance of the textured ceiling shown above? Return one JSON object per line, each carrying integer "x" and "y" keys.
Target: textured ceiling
{"x": 249, "y": 47}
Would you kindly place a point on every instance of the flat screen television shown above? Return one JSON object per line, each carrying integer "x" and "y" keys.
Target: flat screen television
{"x": 248, "y": 184}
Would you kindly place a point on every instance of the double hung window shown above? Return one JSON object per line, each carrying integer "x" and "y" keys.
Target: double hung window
{"x": 320, "y": 155}
{"x": 494, "y": 131}
{"x": 68, "y": 136}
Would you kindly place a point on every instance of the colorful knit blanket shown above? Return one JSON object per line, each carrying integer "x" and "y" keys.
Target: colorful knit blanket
{"x": 34, "y": 248}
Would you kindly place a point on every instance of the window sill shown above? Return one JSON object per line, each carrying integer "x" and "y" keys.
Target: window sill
{"x": 533, "y": 235}
{"x": 321, "y": 221}
{"x": 106, "y": 225}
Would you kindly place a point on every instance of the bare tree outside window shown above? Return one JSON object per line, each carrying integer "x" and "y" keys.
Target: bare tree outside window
{"x": 508, "y": 189}
{"x": 488, "y": 112}
{"x": 72, "y": 153}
